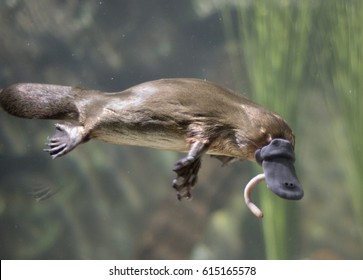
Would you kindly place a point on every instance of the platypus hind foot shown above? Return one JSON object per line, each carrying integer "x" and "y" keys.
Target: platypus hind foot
{"x": 64, "y": 140}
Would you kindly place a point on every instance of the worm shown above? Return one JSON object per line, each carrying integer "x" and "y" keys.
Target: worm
{"x": 247, "y": 194}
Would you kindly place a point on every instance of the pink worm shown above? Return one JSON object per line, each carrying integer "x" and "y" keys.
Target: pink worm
{"x": 247, "y": 194}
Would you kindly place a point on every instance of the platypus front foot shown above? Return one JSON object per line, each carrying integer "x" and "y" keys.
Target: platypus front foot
{"x": 65, "y": 139}
{"x": 187, "y": 170}
{"x": 187, "y": 174}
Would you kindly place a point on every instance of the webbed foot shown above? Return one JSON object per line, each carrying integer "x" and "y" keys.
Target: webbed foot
{"x": 187, "y": 175}
{"x": 65, "y": 139}
{"x": 187, "y": 171}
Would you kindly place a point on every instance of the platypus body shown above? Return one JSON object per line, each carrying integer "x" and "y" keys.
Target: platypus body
{"x": 184, "y": 115}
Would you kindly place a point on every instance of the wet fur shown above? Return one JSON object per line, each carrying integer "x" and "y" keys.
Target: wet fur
{"x": 167, "y": 114}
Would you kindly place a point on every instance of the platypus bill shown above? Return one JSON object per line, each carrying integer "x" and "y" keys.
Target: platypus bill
{"x": 184, "y": 115}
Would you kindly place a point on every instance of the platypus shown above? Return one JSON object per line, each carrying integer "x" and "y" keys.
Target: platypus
{"x": 192, "y": 116}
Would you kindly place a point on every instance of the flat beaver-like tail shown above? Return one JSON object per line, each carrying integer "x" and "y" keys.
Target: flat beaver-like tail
{"x": 40, "y": 101}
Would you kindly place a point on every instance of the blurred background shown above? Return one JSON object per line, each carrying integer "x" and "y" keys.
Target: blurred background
{"x": 302, "y": 59}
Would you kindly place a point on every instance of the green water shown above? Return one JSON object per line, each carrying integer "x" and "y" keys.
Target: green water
{"x": 302, "y": 59}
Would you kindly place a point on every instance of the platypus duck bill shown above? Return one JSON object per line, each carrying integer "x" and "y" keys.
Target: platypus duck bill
{"x": 183, "y": 115}
{"x": 277, "y": 160}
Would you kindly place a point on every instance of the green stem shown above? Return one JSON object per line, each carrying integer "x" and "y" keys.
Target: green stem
{"x": 347, "y": 56}
{"x": 272, "y": 38}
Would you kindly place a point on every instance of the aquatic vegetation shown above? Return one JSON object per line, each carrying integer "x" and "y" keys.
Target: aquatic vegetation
{"x": 285, "y": 46}
{"x": 346, "y": 39}
{"x": 272, "y": 40}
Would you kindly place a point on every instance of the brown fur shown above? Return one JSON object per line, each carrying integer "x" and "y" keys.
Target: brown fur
{"x": 168, "y": 114}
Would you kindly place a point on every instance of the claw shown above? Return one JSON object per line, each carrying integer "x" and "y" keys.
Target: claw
{"x": 187, "y": 170}
{"x": 65, "y": 139}
{"x": 247, "y": 194}
{"x": 56, "y": 150}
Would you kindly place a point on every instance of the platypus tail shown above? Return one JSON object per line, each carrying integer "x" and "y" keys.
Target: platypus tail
{"x": 40, "y": 101}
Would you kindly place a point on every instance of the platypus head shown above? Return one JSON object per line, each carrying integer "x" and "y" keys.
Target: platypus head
{"x": 277, "y": 160}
